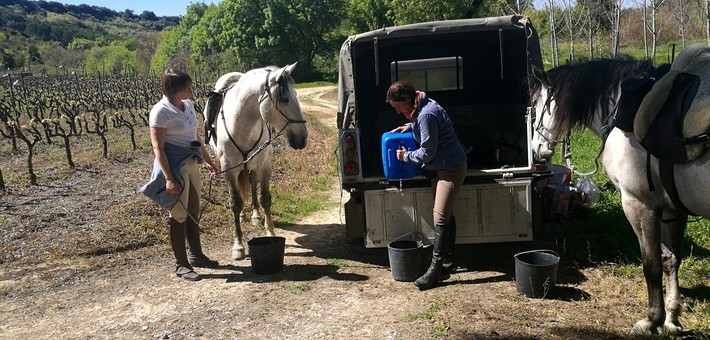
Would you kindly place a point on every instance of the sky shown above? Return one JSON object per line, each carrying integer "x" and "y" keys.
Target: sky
{"x": 159, "y": 7}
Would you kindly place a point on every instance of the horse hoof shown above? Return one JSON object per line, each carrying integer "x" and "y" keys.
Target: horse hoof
{"x": 238, "y": 255}
{"x": 672, "y": 328}
{"x": 642, "y": 328}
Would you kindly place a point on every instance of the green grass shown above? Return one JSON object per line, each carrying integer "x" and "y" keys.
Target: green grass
{"x": 436, "y": 304}
{"x": 437, "y": 329}
{"x": 664, "y": 52}
{"x": 609, "y": 238}
{"x": 313, "y": 84}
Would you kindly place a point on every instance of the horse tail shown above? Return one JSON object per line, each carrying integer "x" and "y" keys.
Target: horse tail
{"x": 243, "y": 183}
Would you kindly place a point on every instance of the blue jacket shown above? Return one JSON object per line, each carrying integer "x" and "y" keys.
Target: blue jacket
{"x": 155, "y": 188}
{"x": 439, "y": 147}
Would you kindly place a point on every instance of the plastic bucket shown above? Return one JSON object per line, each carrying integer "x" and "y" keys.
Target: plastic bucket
{"x": 536, "y": 272}
{"x": 267, "y": 254}
{"x": 409, "y": 258}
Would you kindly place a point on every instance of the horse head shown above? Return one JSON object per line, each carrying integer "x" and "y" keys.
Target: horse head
{"x": 543, "y": 140}
{"x": 280, "y": 108}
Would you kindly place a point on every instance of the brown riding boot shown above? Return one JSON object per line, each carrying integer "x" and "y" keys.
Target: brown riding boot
{"x": 194, "y": 251}
{"x": 183, "y": 268}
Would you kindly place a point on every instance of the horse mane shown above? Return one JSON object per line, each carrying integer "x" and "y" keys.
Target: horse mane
{"x": 582, "y": 88}
{"x": 283, "y": 81}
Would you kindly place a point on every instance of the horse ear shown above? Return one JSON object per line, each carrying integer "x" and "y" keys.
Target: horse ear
{"x": 538, "y": 74}
{"x": 286, "y": 70}
{"x": 289, "y": 68}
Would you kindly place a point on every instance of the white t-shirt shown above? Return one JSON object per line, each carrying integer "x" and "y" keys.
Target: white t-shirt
{"x": 181, "y": 127}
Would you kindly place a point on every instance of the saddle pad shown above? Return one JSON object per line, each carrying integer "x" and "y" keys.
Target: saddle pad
{"x": 665, "y": 138}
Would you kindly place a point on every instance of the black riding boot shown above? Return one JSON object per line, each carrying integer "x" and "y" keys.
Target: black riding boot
{"x": 183, "y": 268}
{"x": 434, "y": 274}
{"x": 194, "y": 251}
{"x": 449, "y": 256}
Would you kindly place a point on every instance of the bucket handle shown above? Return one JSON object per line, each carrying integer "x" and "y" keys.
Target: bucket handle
{"x": 419, "y": 236}
{"x": 538, "y": 250}
{"x": 275, "y": 247}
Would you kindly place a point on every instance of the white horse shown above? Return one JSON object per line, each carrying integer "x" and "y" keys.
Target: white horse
{"x": 585, "y": 95}
{"x": 256, "y": 107}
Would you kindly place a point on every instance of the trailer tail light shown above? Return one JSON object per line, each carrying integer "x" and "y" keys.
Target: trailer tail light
{"x": 350, "y": 168}
{"x": 349, "y": 138}
{"x": 349, "y": 153}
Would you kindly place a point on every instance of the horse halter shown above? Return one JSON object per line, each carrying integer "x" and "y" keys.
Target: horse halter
{"x": 267, "y": 94}
{"x": 542, "y": 130}
{"x": 245, "y": 154}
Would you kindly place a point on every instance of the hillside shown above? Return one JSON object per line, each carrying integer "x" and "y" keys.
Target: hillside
{"x": 39, "y": 32}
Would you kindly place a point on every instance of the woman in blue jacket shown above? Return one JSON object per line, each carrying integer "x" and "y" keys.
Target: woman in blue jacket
{"x": 178, "y": 149}
{"x": 442, "y": 160}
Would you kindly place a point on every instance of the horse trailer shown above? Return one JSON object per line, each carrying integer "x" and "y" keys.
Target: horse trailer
{"x": 478, "y": 70}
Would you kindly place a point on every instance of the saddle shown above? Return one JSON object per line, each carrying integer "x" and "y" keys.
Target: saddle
{"x": 214, "y": 103}
{"x": 664, "y": 138}
{"x": 633, "y": 90}
{"x": 673, "y": 119}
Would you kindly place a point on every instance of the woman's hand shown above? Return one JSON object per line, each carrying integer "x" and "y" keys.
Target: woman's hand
{"x": 172, "y": 187}
{"x": 211, "y": 168}
{"x": 402, "y": 128}
{"x": 401, "y": 152}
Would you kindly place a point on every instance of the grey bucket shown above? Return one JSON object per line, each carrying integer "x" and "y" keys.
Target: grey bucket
{"x": 267, "y": 254}
{"x": 536, "y": 272}
{"x": 409, "y": 256}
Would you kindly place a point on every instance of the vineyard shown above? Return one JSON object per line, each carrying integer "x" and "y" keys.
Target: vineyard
{"x": 60, "y": 109}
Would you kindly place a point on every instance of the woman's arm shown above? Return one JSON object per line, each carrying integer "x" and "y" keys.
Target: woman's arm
{"x": 211, "y": 168}
{"x": 157, "y": 139}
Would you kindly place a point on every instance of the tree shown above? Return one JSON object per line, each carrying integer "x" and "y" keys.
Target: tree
{"x": 653, "y": 27}
{"x": 555, "y": 50}
{"x": 590, "y": 23}
{"x": 366, "y": 16}
{"x": 572, "y": 20}
{"x": 410, "y": 11}
{"x": 273, "y": 32}
{"x": 680, "y": 14}
{"x": 113, "y": 59}
{"x": 614, "y": 15}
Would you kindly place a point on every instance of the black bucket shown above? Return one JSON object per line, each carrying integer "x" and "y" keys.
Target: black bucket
{"x": 536, "y": 272}
{"x": 267, "y": 254}
{"x": 409, "y": 258}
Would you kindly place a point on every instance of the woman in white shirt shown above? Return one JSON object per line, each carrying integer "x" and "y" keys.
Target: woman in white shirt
{"x": 178, "y": 149}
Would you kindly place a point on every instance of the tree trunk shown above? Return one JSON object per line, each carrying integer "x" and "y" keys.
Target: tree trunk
{"x": 553, "y": 34}
{"x": 2, "y": 184}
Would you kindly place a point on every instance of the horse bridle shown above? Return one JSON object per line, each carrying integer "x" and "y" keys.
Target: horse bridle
{"x": 245, "y": 154}
{"x": 267, "y": 94}
{"x": 544, "y": 132}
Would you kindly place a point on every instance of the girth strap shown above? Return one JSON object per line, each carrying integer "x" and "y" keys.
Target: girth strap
{"x": 666, "y": 172}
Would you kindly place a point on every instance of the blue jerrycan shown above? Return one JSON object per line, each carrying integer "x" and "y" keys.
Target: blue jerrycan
{"x": 394, "y": 168}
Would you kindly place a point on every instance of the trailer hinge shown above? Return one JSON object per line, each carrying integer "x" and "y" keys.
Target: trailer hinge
{"x": 507, "y": 175}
